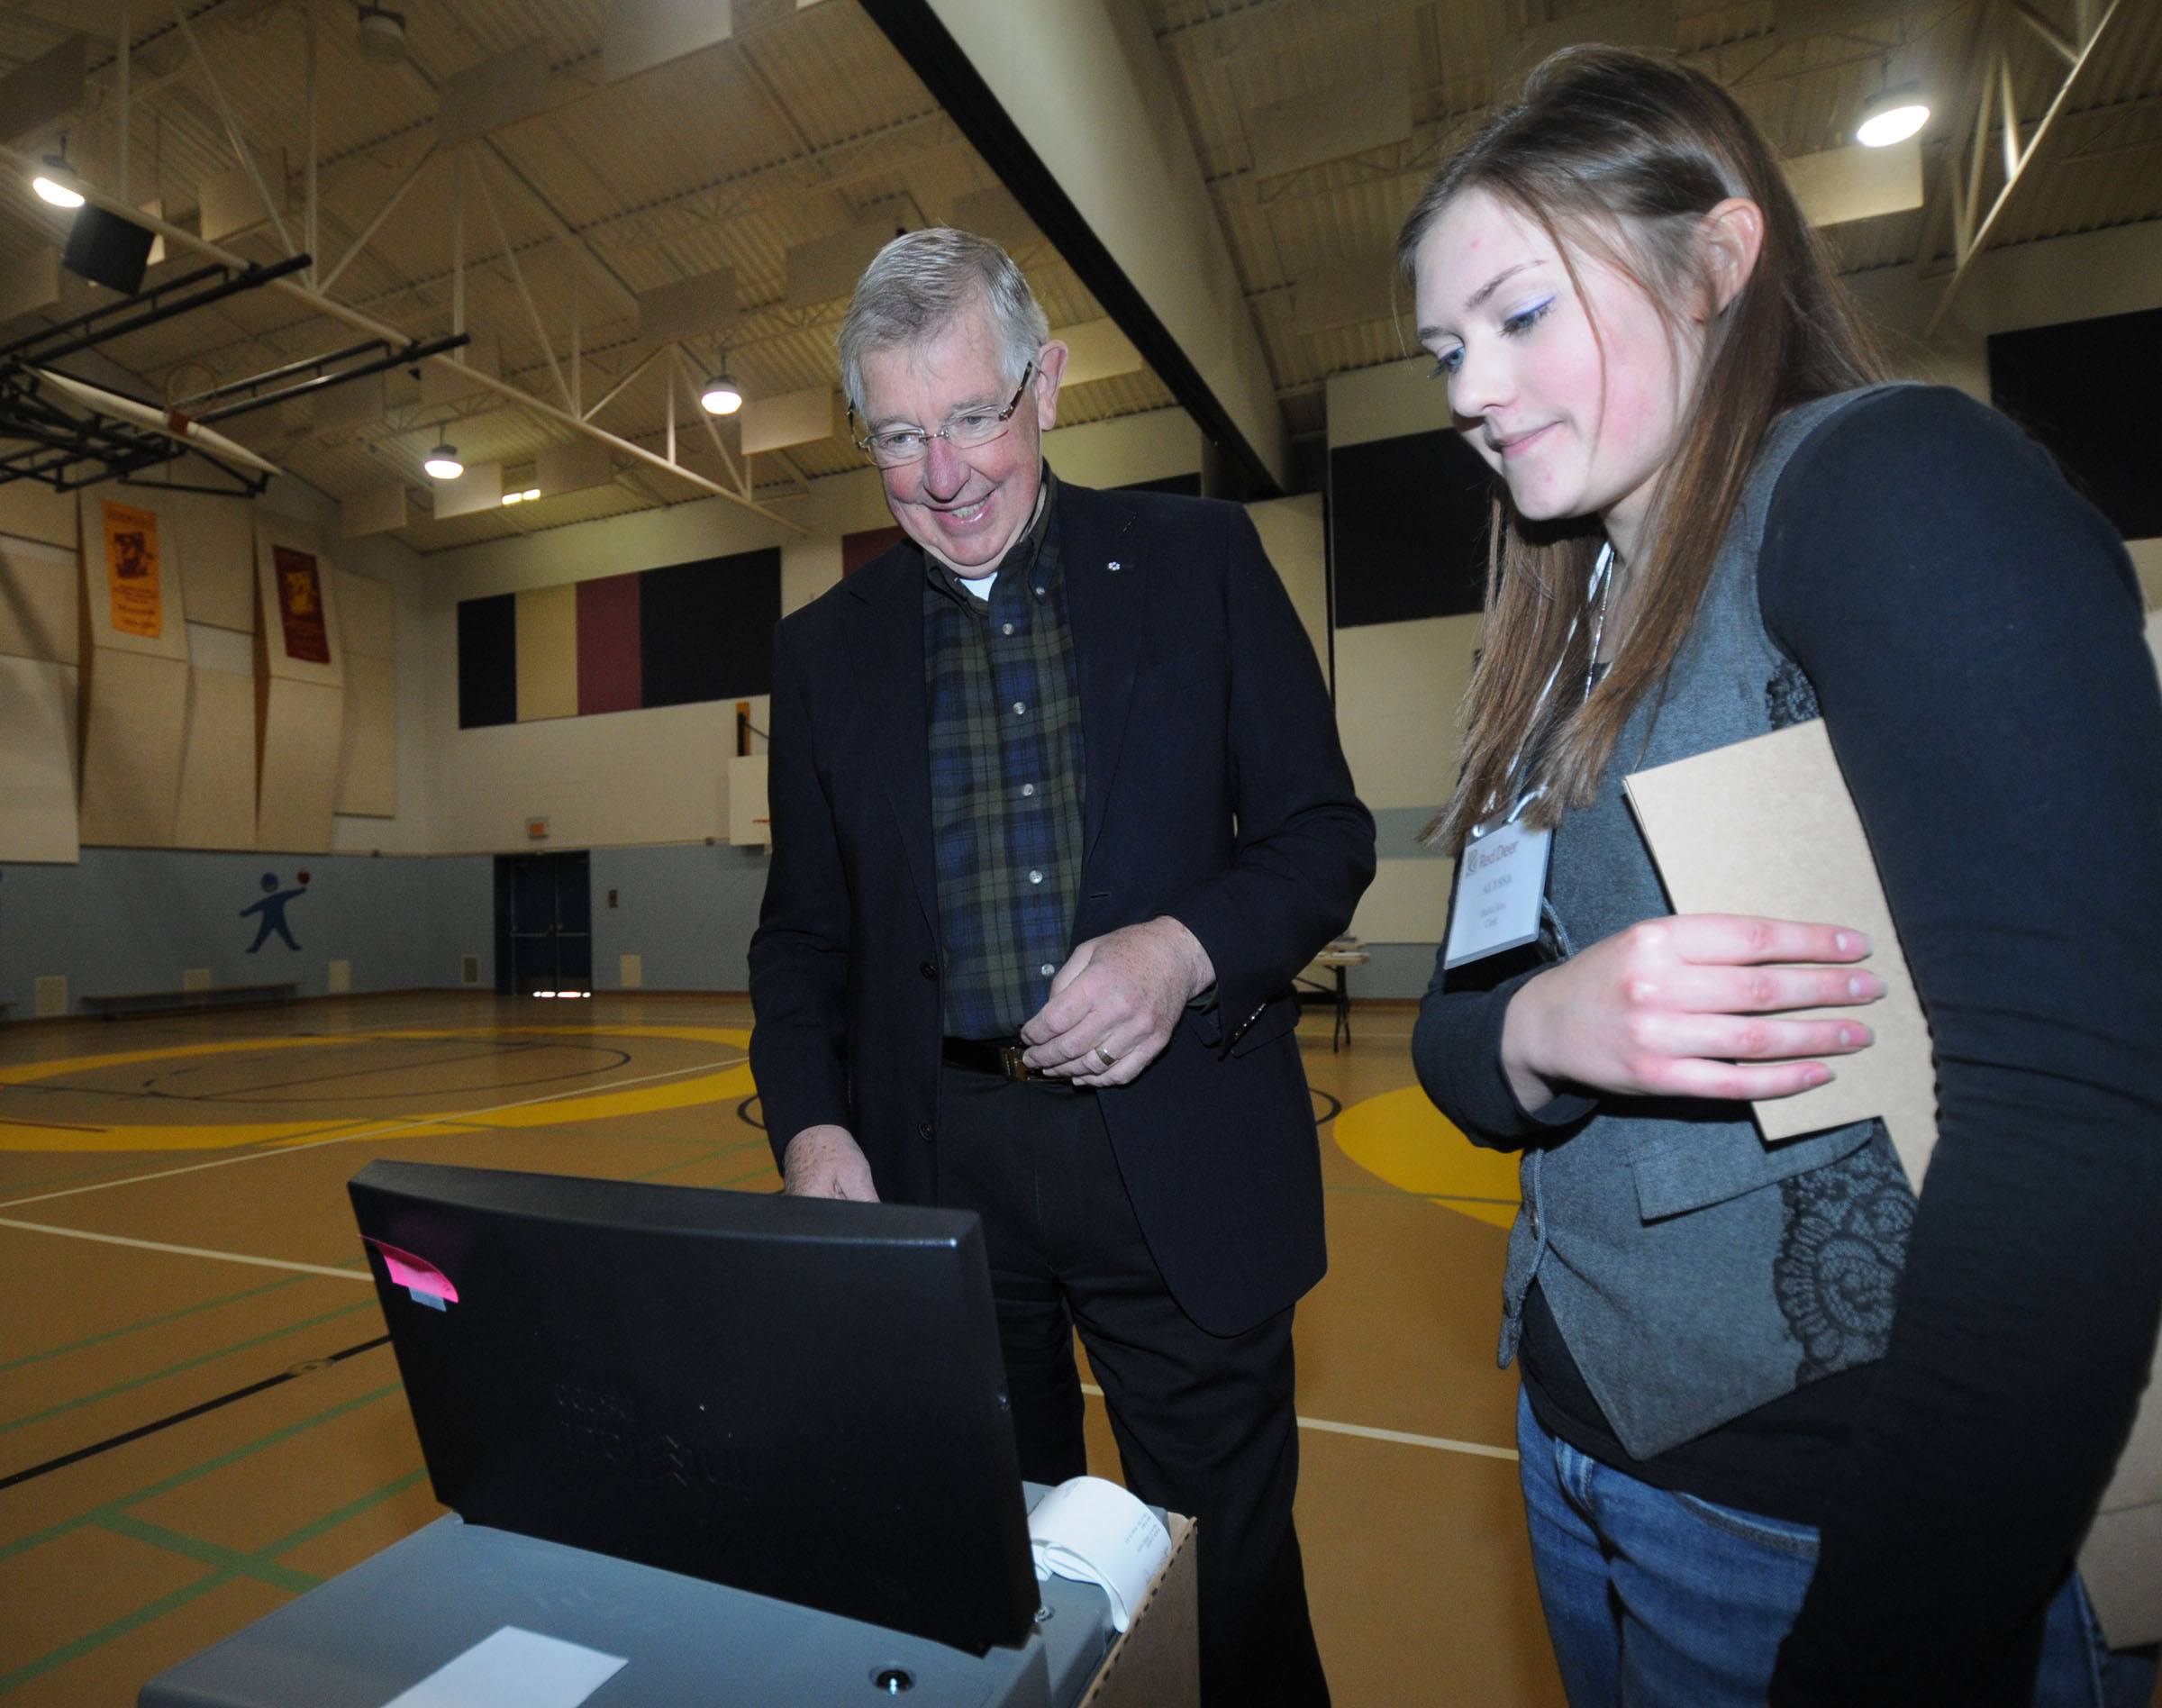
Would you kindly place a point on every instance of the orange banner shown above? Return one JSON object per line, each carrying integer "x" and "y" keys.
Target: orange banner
{"x": 131, "y": 570}
{"x": 300, "y": 604}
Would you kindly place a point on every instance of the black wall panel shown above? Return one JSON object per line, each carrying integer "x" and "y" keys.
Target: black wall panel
{"x": 1407, "y": 522}
{"x": 487, "y": 662}
{"x": 705, "y": 629}
{"x": 2087, "y": 390}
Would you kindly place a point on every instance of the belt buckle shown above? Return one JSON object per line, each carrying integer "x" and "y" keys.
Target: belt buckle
{"x": 1010, "y": 1063}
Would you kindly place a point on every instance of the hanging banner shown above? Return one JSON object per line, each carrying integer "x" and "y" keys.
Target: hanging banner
{"x": 131, "y": 570}
{"x": 300, "y": 604}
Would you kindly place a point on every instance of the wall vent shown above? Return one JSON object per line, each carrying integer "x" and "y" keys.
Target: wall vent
{"x": 52, "y": 994}
{"x": 632, "y": 974}
{"x": 342, "y": 978}
{"x": 195, "y": 978}
{"x": 469, "y": 969}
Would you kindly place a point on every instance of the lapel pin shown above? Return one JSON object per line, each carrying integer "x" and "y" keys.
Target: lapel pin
{"x": 1113, "y": 564}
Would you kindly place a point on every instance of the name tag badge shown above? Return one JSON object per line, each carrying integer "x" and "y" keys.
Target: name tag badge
{"x": 1500, "y": 880}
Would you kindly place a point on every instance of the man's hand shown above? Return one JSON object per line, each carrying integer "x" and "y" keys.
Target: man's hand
{"x": 1115, "y": 1003}
{"x": 826, "y": 1162}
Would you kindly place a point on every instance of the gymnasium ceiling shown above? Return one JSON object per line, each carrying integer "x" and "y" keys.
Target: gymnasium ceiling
{"x": 804, "y": 130}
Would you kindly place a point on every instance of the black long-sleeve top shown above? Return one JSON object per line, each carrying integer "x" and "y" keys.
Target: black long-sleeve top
{"x": 1972, "y": 630}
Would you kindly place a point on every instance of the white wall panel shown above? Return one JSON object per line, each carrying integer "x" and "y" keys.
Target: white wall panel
{"x": 39, "y": 603}
{"x": 1399, "y": 685}
{"x": 217, "y": 763}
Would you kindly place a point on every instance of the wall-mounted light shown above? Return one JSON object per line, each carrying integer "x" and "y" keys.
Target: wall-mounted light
{"x": 525, "y": 497}
{"x": 1893, "y": 116}
{"x": 56, "y": 182}
{"x": 442, "y": 463}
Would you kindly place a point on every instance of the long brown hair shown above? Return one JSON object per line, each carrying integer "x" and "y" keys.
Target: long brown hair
{"x": 1617, "y": 156}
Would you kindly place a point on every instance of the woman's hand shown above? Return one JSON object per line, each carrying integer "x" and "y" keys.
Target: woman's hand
{"x": 1680, "y": 1007}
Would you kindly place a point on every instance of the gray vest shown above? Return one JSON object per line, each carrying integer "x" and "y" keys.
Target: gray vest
{"x": 1694, "y": 1270}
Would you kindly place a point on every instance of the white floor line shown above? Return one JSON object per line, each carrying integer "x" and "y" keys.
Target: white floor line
{"x": 1402, "y": 1437}
{"x": 187, "y": 1252}
{"x": 444, "y": 1118}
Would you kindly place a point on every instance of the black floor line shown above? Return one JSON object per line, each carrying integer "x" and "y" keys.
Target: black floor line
{"x": 109, "y": 1442}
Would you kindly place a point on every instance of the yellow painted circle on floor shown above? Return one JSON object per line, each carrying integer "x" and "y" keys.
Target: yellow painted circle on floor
{"x": 1403, "y": 1138}
{"x": 720, "y": 1085}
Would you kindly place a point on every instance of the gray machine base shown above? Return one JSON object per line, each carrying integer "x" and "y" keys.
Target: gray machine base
{"x": 379, "y": 1629}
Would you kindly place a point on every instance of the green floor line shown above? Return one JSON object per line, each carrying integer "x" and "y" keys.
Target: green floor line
{"x": 330, "y": 1520}
{"x": 186, "y": 1364}
{"x": 147, "y": 1323}
{"x": 91, "y": 1641}
{"x": 229, "y": 1560}
{"x": 247, "y": 1449}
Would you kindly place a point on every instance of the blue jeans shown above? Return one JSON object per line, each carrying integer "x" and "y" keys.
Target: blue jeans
{"x": 1656, "y": 1599}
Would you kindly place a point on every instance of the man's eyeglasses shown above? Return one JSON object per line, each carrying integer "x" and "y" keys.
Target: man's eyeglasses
{"x": 898, "y": 447}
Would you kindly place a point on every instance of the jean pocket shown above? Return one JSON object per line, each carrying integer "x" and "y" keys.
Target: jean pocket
{"x": 1780, "y": 1536}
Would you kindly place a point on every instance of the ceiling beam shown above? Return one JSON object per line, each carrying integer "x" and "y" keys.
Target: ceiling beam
{"x": 1071, "y": 102}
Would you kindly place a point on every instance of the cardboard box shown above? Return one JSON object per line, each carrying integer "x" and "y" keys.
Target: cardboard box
{"x": 1155, "y": 1661}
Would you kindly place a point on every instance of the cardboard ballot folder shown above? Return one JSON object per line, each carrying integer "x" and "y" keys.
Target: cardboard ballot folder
{"x": 1767, "y": 827}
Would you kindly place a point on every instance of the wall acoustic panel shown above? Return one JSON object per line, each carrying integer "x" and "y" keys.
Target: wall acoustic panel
{"x": 217, "y": 763}
{"x": 494, "y": 92}
{"x": 690, "y": 632}
{"x": 367, "y": 615}
{"x": 37, "y": 761}
{"x": 547, "y": 641}
{"x": 487, "y": 662}
{"x": 793, "y": 418}
{"x": 134, "y": 722}
{"x": 37, "y": 603}
{"x": 373, "y": 509}
{"x": 609, "y": 676}
{"x": 641, "y": 34}
{"x": 301, "y": 729}
{"x": 217, "y": 557}
{"x": 368, "y": 755}
{"x": 30, "y": 510}
{"x": 231, "y": 203}
{"x": 828, "y": 268}
{"x": 1409, "y": 518}
{"x": 1857, "y": 183}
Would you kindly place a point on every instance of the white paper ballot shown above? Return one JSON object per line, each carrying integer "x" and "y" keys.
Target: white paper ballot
{"x": 1094, "y": 1532}
{"x": 514, "y": 1668}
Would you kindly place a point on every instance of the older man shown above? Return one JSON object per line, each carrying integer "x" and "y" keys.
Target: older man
{"x": 1057, "y": 811}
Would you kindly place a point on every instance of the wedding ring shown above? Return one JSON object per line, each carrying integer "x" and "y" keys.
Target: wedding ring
{"x": 1104, "y": 1056}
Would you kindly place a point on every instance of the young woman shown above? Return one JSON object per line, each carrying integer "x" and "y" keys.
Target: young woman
{"x": 1788, "y": 1433}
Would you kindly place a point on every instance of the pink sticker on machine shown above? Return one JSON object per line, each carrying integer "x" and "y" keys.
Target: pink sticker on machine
{"x": 417, "y": 1276}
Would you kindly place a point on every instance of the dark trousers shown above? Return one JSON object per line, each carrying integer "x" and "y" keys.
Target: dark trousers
{"x": 1204, "y": 1422}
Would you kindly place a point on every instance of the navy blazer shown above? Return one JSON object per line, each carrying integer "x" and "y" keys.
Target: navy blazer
{"x": 1216, "y": 792}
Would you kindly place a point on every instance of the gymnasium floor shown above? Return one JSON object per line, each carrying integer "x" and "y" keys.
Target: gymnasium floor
{"x": 199, "y": 1418}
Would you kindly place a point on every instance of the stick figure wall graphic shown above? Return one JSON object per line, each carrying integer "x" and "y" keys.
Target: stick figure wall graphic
{"x": 272, "y": 908}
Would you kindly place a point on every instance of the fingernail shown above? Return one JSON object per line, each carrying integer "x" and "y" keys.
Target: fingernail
{"x": 1852, "y": 943}
{"x": 1815, "y": 1076}
{"x": 1866, "y": 986}
{"x": 1855, "y": 1037}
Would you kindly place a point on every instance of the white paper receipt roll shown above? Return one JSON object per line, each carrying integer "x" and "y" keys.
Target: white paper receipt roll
{"x": 1094, "y": 1532}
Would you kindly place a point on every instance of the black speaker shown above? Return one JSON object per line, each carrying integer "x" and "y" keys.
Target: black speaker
{"x": 107, "y": 249}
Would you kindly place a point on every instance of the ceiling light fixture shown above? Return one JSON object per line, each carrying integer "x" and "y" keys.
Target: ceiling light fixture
{"x": 525, "y": 497}
{"x": 56, "y": 182}
{"x": 722, "y": 397}
{"x": 442, "y": 463}
{"x": 1893, "y": 116}
{"x": 382, "y": 34}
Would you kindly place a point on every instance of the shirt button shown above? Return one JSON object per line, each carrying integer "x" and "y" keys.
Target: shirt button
{"x": 1040, "y": 593}
{"x": 926, "y": 1131}
{"x": 1005, "y": 628}
{"x": 928, "y": 970}
{"x": 1027, "y": 789}
{"x": 1047, "y": 970}
{"x": 1035, "y": 877}
{"x": 1021, "y": 708}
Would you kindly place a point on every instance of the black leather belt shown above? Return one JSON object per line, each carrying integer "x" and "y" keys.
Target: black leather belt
{"x": 1000, "y": 1056}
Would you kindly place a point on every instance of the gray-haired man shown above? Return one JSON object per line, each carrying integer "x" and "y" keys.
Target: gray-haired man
{"x": 1057, "y": 811}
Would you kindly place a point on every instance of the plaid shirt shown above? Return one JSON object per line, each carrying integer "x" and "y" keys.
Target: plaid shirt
{"x": 1005, "y": 780}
